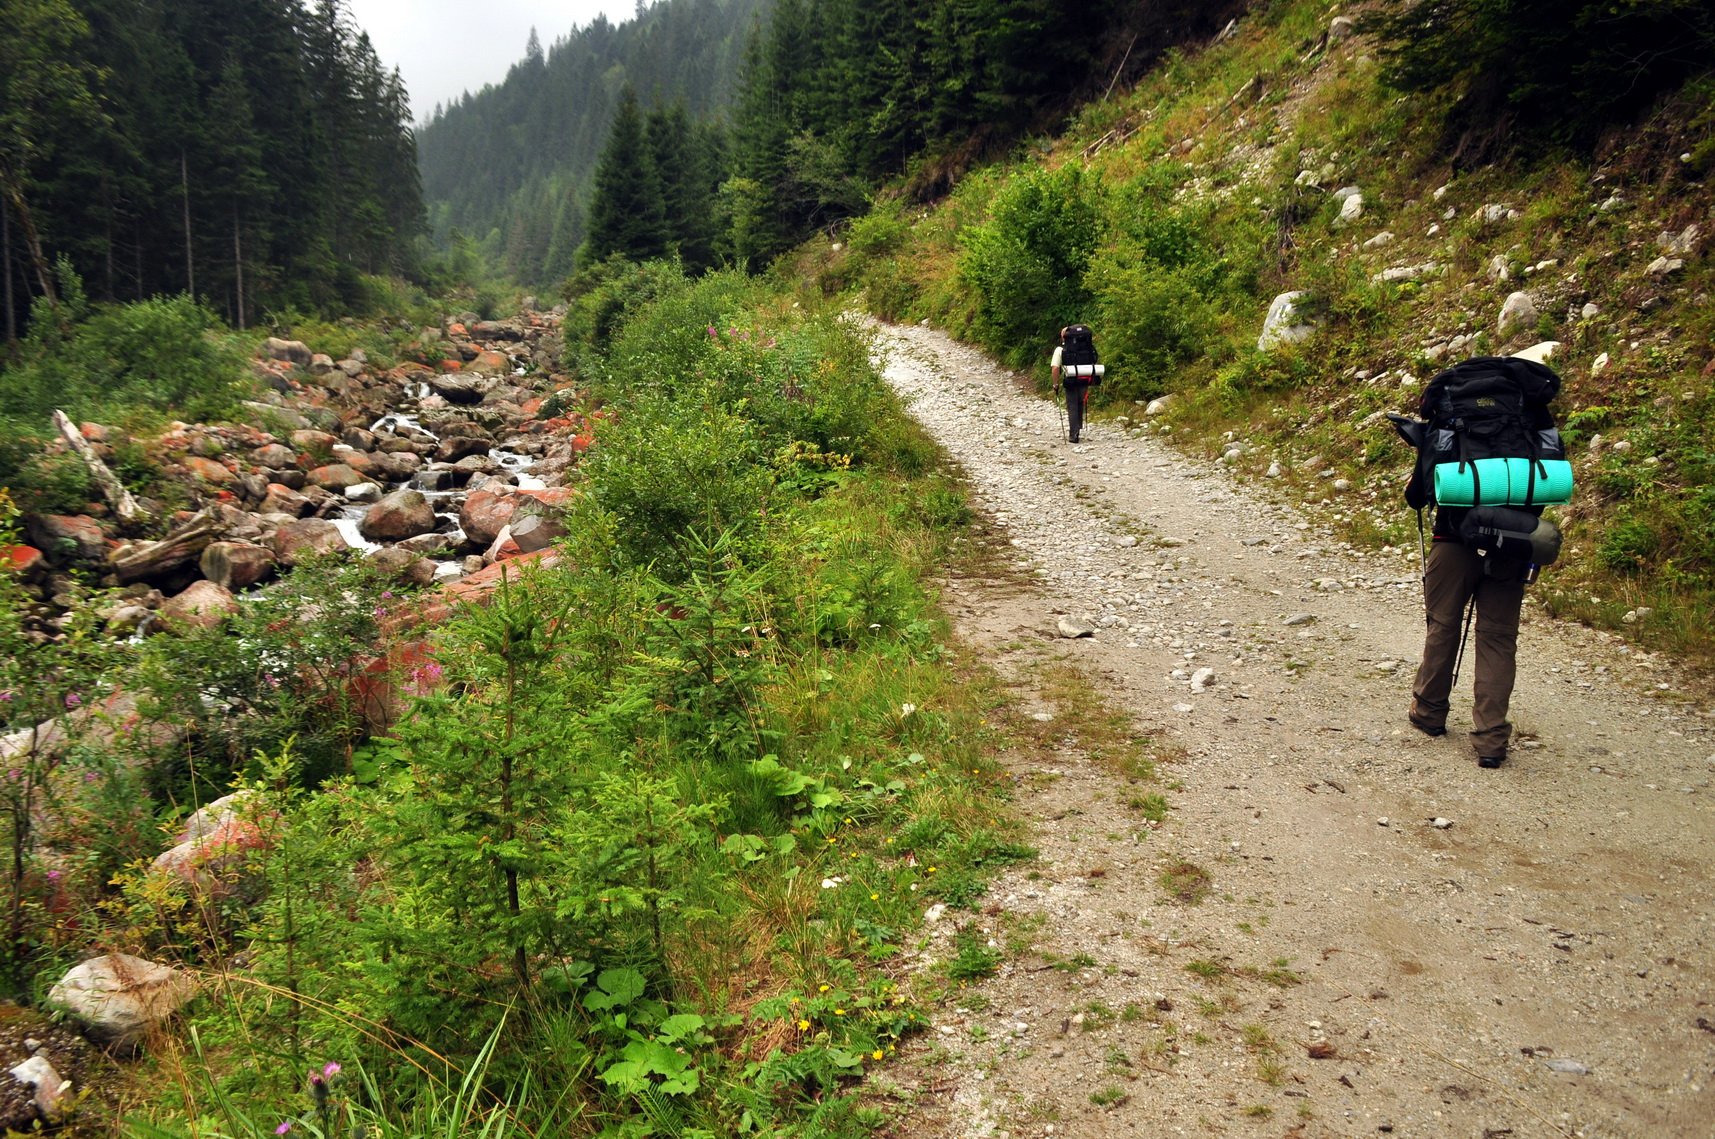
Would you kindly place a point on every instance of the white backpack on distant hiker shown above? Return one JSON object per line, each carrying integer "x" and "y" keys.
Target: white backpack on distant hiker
{"x": 1078, "y": 359}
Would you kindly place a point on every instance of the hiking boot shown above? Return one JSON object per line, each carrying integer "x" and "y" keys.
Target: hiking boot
{"x": 1426, "y": 728}
{"x": 1491, "y": 761}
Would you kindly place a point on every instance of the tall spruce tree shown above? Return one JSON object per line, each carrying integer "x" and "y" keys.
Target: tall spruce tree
{"x": 44, "y": 89}
{"x": 241, "y": 179}
{"x": 626, "y": 214}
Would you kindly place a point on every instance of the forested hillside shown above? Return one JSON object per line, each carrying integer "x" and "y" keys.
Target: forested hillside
{"x": 795, "y": 119}
{"x": 251, "y": 153}
{"x": 510, "y": 165}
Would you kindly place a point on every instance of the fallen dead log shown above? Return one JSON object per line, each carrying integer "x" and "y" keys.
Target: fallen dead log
{"x": 178, "y": 549}
{"x": 120, "y": 499}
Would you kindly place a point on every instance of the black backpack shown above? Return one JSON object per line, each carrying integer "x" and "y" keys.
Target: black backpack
{"x": 1487, "y": 407}
{"x": 1078, "y": 345}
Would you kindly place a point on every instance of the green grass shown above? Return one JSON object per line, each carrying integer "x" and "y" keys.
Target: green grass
{"x": 822, "y": 781}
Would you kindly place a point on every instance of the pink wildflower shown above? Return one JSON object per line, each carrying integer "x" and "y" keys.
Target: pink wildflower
{"x": 283, "y": 1128}
{"x": 73, "y": 700}
{"x": 330, "y": 1069}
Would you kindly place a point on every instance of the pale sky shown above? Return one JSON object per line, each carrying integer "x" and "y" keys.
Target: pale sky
{"x": 444, "y": 48}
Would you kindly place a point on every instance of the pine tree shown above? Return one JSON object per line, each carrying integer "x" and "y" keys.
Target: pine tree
{"x": 239, "y": 177}
{"x": 568, "y": 235}
{"x": 44, "y": 83}
{"x": 626, "y": 215}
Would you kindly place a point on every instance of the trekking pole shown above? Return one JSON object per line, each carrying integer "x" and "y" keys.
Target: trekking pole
{"x": 1470, "y": 612}
{"x": 1061, "y": 408}
{"x": 1422, "y": 552}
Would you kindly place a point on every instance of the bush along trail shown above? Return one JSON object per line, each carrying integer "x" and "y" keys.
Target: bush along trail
{"x": 640, "y": 844}
{"x": 1263, "y": 904}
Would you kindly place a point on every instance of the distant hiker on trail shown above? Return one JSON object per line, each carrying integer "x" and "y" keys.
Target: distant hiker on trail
{"x": 1075, "y": 365}
{"x": 1489, "y": 459}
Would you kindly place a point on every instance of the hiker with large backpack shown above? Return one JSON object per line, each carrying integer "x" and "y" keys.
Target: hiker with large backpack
{"x": 1075, "y": 366}
{"x": 1489, "y": 458}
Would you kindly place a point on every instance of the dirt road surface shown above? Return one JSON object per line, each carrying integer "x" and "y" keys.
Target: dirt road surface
{"x": 1393, "y": 941}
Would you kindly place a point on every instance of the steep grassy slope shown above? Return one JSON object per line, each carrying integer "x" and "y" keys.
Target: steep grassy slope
{"x": 1169, "y": 217}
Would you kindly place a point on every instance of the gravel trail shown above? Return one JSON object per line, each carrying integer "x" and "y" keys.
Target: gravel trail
{"x": 1396, "y": 942}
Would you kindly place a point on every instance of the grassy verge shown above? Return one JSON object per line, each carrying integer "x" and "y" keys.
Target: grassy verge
{"x": 644, "y": 854}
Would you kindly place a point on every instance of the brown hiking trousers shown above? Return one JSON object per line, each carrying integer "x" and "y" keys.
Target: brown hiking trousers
{"x": 1452, "y": 577}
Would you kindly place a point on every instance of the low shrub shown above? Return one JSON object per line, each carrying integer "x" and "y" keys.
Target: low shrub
{"x": 1027, "y": 262}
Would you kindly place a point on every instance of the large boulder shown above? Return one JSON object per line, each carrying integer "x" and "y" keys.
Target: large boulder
{"x": 359, "y": 438}
{"x": 291, "y": 351}
{"x": 314, "y": 442}
{"x": 485, "y": 514}
{"x": 202, "y": 605}
{"x": 537, "y": 532}
{"x": 335, "y": 477}
{"x": 459, "y": 389}
{"x": 496, "y": 330}
{"x": 363, "y": 462}
{"x": 48, "y": 1066}
{"x": 68, "y": 537}
{"x": 1283, "y": 325}
{"x": 1518, "y": 314}
{"x": 25, "y": 561}
{"x": 296, "y": 542}
{"x": 490, "y": 363}
{"x": 402, "y": 514}
{"x": 282, "y": 499}
{"x": 216, "y": 842}
{"x": 120, "y": 998}
{"x": 273, "y": 416}
{"x": 402, "y": 564}
{"x": 209, "y": 471}
{"x": 397, "y": 466}
{"x": 236, "y": 565}
{"x": 324, "y": 419}
{"x": 457, "y": 447}
{"x": 277, "y": 456}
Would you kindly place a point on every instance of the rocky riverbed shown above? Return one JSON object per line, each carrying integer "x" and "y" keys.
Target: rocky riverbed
{"x": 431, "y": 471}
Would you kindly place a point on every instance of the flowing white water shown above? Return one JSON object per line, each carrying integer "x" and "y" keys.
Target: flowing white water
{"x": 348, "y": 529}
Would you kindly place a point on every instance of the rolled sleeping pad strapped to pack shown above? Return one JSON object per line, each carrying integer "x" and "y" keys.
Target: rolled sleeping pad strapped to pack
{"x": 1079, "y": 371}
{"x": 1504, "y": 482}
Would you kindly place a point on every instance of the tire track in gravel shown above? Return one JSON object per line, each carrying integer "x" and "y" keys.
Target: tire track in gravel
{"x": 1541, "y": 966}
